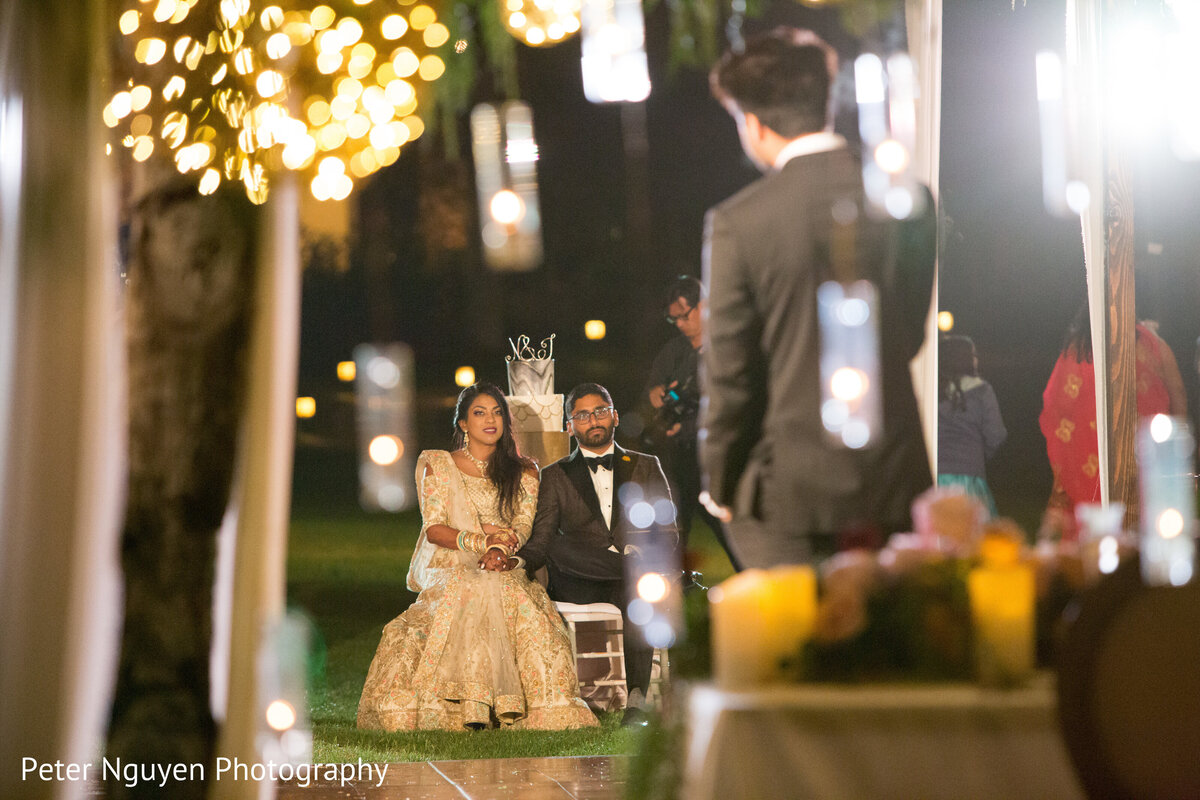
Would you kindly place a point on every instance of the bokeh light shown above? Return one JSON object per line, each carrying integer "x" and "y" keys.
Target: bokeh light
{"x": 219, "y": 92}
{"x": 540, "y": 23}
{"x": 652, "y": 587}
{"x": 281, "y": 715}
{"x": 848, "y": 384}
{"x": 464, "y": 376}
{"x": 1169, "y": 523}
{"x": 506, "y": 207}
{"x": 385, "y": 450}
{"x": 306, "y": 407}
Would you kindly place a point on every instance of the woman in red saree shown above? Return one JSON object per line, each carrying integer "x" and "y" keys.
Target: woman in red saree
{"x": 1068, "y": 418}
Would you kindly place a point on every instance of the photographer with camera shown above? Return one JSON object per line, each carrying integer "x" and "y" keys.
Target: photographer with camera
{"x": 674, "y": 395}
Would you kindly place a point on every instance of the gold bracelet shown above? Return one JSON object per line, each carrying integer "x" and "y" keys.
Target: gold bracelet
{"x": 471, "y": 541}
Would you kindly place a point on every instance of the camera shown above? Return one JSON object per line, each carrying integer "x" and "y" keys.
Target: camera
{"x": 679, "y": 403}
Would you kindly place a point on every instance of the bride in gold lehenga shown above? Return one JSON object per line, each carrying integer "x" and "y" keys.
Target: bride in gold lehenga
{"x": 482, "y": 645}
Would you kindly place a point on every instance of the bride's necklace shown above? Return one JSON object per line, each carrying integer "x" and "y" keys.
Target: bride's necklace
{"x": 479, "y": 465}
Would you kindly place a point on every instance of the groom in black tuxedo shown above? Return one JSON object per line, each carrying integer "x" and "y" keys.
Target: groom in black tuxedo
{"x": 583, "y": 530}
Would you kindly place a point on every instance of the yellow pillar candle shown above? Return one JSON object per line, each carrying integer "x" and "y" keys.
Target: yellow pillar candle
{"x": 760, "y": 618}
{"x": 1002, "y": 594}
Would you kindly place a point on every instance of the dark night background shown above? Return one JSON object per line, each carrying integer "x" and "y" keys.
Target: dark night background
{"x": 617, "y": 227}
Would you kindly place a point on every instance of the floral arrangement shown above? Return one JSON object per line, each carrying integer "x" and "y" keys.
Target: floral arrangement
{"x": 903, "y": 612}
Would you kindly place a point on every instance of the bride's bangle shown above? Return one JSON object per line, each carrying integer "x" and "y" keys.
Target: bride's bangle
{"x": 472, "y": 541}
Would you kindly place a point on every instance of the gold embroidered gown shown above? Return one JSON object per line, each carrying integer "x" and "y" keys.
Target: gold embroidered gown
{"x": 477, "y": 648}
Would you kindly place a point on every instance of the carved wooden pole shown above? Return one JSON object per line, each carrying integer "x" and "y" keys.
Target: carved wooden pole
{"x": 1120, "y": 344}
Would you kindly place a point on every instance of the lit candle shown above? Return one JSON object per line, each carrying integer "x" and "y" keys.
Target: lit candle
{"x": 760, "y": 620}
{"x": 1002, "y": 595}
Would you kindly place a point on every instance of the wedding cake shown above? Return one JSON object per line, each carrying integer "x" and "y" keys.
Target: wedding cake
{"x": 537, "y": 411}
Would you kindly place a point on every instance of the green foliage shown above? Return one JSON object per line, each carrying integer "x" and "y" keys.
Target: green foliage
{"x": 656, "y": 772}
{"x": 918, "y": 627}
{"x": 695, "y": 38}
{"x": 479, "y": 50}
{"x": 691, "y": 657}
{"x": 863, "y": 18}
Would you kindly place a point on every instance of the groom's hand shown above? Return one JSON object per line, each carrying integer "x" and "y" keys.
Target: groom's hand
{"x": 497, "y": 561}
{"x": 723, "y": 513}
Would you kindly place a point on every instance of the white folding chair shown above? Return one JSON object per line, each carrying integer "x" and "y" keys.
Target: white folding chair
{"x": 604, "y": 642}
{"x": 597, "y": 683}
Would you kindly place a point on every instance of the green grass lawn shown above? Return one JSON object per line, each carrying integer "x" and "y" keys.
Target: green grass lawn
{"x": 346, "y": 570}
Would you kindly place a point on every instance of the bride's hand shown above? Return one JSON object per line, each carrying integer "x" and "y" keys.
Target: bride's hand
{"x": 501, "y": 537}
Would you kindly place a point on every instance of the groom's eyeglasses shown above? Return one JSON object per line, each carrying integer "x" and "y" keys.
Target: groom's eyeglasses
{"x": 599, "y": 414}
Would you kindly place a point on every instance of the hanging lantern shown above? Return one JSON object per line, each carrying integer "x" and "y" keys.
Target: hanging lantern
{"x": 887, "y": 124}
{"x": 506, "y": 157}
{"x": 540, "y": 23}
{"x": 259, "y": 88}
{"x": 386, "y": 432}
{"x": 614, "y": 51}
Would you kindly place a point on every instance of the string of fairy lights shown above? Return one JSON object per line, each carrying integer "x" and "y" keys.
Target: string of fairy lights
{"x": 237, "y": 90}
{"x": 541, "y": 23}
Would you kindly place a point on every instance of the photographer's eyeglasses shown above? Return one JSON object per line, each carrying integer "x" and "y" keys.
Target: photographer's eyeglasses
{"x": 681, "y": 318}
{"x": 599, "y": 414}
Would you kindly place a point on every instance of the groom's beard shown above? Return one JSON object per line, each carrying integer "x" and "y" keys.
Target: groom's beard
{"x": 597, "y": 436}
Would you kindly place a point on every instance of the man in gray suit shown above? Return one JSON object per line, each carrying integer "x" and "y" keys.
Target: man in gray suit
{"x": 787, "y": 492}
{"x": 594, "y": 507}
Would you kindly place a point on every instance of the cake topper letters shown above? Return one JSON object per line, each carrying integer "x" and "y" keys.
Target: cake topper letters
{"x": 523, "y": 352}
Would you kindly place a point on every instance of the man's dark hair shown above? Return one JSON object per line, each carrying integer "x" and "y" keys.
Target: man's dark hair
{"x": 582, "y": 390}
{"x": 687, "y": 287}
{"x": 782, "y": 77}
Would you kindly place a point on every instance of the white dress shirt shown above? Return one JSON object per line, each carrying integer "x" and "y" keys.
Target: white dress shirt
{"x": 602, "y": 479}
{"x": 808, "y": 144}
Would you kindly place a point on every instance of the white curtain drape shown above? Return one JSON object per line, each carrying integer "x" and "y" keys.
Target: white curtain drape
{"x": 1085, "y": 96}
{"x": 924, "y": 23}
{"x": 261, "y": 500}
{"x": 62, "y": 409}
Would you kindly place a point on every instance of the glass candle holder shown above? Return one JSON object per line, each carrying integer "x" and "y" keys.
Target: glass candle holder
{"x": 1168, "y": 519}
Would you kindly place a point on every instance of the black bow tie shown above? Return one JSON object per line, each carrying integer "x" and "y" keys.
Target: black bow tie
{"x": 599, "y": 461}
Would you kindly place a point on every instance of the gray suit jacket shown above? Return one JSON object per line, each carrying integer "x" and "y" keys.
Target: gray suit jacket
{"x": 764, "y": 450}
{"x": 568, "y": 506}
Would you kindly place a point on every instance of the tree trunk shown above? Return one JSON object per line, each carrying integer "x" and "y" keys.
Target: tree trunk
{"x": 189, "y": 307}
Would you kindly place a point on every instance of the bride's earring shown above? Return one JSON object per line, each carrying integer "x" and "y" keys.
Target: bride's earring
{"x": 466, "y": 440}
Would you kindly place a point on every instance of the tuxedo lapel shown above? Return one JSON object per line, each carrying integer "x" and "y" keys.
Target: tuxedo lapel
{"x": 622, "y": 474}
{"x": 577, "y": 471}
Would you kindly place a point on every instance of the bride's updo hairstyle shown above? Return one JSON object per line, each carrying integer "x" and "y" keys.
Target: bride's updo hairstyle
{"x": 506, "y": 463}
